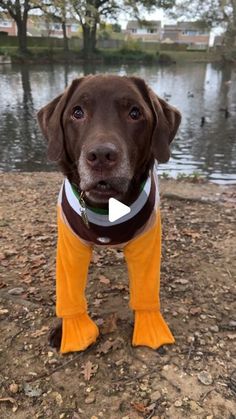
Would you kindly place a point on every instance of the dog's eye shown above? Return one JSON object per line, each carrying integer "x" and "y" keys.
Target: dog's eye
{"x": 135, "y": 113}
{"x": 78, "y": 112}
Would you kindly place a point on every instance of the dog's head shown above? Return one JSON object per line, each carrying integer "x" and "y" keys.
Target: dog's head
{"x": 105, "y": 132}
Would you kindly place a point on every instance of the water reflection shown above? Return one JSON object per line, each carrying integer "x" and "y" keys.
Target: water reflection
{"x": 198, "y": 90}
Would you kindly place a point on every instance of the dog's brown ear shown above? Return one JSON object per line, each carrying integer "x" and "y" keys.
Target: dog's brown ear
{"x": 50, "y": 121}
{"x": 167, "y": 121}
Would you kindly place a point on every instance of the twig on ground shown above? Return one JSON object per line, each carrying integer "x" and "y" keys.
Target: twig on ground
{"x": 11, "y": 338}
{"x": 152, "y": 413}
{"x": 203, "y": 396}
{"x": 189, "y": 355}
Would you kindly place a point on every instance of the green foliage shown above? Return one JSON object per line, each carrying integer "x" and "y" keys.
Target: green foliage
{"x": 116, "y": 28}
{"x": 2, "y": 51}
{"x": 126, "y": 55}
{"x": 104, "y": 35}
{"x": 165, "y": 175}
{"x": 131, "y": 45}
{"x": 165, "y": 58}
{"x": 194, "y": 177}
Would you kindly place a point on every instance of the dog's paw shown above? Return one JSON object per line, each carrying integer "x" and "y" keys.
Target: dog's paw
{"x": 150, "y": 329}
{"x": 55, "y": 336}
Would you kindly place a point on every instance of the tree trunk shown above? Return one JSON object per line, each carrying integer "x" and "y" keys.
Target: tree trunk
{"x": 230, "y": 35}
{"x": 230, "y": 43}
{"x": 22, "y": 36}
{"x": 89, "y": 40}
{"x": 66, "y": 45}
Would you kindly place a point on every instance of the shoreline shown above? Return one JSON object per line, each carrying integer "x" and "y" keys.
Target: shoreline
{"x": 156, "y": 56}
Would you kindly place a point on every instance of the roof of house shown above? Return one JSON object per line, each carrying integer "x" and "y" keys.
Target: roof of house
{"x": 135, "y": 24}
{"x": 198, "y": 24}
{"x": 187, "y": 26}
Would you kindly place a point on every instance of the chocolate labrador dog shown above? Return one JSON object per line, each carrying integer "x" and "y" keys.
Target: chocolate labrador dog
{"x": 106, "y": 132}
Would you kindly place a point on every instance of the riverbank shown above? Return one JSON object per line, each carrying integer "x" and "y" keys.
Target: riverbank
{"x": 107, "y": 56}
{"x": 195, "y": 378}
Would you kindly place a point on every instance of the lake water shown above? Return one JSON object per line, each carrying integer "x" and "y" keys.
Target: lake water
{"x": 197, "y": 90}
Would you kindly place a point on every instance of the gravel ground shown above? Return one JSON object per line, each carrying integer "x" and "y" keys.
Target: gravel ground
{"x": 195, "y": 378}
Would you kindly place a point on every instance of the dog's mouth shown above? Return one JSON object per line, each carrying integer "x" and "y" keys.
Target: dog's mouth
{"x": 103, "y": 186}
{"x": 105, "y": 189}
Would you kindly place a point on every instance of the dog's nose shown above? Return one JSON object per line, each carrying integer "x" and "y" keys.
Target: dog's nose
{"x": 105, "y": 155}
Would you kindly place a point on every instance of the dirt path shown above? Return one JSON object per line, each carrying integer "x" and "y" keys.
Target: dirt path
{"x": 195, "y": 378}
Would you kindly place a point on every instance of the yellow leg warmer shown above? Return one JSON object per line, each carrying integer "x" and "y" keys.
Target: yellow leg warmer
{"x": 73, "y": 258}
{"x": 143, "y": 257}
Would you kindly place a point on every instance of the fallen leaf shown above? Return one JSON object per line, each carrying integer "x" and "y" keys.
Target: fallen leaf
{"x": 181, "y": 281}
{"x": 4, "y": 311}
{"x": 104, "y": 280}
{"x": 97, "y": 302}
{"x": 105, "y": 347}
{"x": 109, "y": 324}
{"x": 96, "y": 258}
{"x": 195, "y": 310}
{"x": 231, "y": 336}
{"x": 119, "y": 255}
{"x": 43, "y": 238}
{"x": 40, "y": 332}
{"x": 58, "y": 397}
{"x": 139, "y": 407}
{"x": 193, "y": 234}
{"x": 88, "y": 370}
{"x": 120, "y": 287}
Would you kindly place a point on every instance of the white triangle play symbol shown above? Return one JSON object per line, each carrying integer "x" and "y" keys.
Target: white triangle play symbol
{"x": 116, "y": 210}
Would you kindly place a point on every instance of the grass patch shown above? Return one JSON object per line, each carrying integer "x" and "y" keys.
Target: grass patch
{"x": 194, "y": 177}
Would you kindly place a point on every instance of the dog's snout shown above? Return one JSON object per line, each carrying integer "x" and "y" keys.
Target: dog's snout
{"x": 104, "y": 154}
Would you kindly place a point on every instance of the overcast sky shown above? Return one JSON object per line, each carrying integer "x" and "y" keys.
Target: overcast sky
{"x": 157, "y": 15}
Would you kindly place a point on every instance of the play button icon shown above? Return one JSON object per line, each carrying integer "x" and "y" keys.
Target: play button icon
{"x": 116, "y": 210}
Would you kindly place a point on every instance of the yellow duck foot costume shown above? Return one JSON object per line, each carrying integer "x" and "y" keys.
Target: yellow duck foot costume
{"x": 150, "y": 329}
{"x": 143, "y": 256}
{"x": 78, "y": 333}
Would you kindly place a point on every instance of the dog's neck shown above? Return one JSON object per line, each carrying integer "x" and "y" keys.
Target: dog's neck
{"x": 129, "y": 197}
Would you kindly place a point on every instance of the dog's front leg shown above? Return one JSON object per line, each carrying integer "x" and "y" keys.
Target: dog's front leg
{"x": 73, "y": 258}
{"x": 143, "y": 256}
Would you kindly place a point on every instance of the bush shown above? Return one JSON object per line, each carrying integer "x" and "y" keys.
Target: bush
{"x": 165, "y": 59}
{"x": 125, "y": 55}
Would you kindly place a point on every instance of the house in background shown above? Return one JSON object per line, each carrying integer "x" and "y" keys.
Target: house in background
{"x": 8, "y": 26}
{"x": 191, "y": 33}
{"x": 194, "y": 34}
{"x": 39, "y": 26}
{"x": 149, "y": 30}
